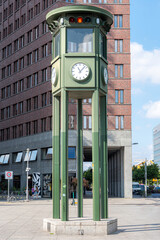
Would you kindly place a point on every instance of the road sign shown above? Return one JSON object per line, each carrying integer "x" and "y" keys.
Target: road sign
{"x": 8, "y": 174}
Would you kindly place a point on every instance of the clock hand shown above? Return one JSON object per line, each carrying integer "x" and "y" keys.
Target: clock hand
{"x": 79, "y": 70}
{"x": 82, "y": 68}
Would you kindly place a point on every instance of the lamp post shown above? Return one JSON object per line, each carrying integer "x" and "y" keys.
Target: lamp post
{"x": 27, "y": 170}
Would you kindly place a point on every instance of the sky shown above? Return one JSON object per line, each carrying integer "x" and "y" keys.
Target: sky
{"x": 145, "y": 73}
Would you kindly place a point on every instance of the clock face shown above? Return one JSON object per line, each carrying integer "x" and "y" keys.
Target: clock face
{"x": 105, "y": 75}
{"x": 80, "y": 71}
{"x": 53, "y": 76}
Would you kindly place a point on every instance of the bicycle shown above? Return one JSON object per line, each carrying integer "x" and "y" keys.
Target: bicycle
{"x": 11, "y": 198}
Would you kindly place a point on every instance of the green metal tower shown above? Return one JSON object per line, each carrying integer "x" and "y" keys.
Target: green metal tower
{"x": 79, "y": 70}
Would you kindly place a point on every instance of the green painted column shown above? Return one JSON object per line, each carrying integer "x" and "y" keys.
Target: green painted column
{"x": 64, "y": 154}
{"x": 95, "y": 155}
{"x": 56, "y": 158}
{"x": 104, "y": 158}
{"x": 80, "y": 158}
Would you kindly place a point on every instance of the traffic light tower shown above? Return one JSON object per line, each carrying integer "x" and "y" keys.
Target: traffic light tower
{"x": 79, "y": 71}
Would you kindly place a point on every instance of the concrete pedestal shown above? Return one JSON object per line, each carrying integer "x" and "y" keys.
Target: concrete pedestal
{"x": 80, "y": 226}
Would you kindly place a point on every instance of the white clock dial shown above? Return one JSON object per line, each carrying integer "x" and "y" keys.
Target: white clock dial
{"x": 80, "y": 71}
{"x": 105, "y": 75}
{"x": 53, "y": 76}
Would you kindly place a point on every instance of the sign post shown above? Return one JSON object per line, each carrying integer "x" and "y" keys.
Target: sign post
{"x": 8, "y": 175}
{"x": 27, "y": 170}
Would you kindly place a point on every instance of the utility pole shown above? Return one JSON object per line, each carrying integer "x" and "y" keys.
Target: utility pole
{"x": 145, "y": 177}
{"x": 27, "y": 170}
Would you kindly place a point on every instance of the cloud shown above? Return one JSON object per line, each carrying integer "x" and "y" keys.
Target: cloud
{"x": 152, "y": 109}
{"x": 136, "y": 91}
{"x": 145, "y": 65}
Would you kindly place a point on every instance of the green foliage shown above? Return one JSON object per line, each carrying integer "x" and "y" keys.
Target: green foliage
{"x": 88, "y": 175}
{"x": 138, "y": 174}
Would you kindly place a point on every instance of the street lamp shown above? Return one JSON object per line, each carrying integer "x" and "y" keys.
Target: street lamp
{"x": 27, "y": 170}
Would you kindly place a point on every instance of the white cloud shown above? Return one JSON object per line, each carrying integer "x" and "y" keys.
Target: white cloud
{"x": 152, "y": 109}
{"x": 145, "y": 65}
{"x": 136, "y": 91}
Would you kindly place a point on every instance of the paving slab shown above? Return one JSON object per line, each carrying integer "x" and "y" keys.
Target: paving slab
{"x": 137, "y": 219}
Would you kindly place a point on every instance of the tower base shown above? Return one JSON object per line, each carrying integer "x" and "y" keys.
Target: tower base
{"x": 80, "y": 226}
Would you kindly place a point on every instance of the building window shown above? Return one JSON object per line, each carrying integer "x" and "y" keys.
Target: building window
{"x": 3, "y": 72}
{"x": 50, "y": 123}
{"x": 29, "y": 59}
{"x": 28, "y": 104}
{"x": 90, "y": 122}
{"x": 29, "y": 36}
{"x": 17, "y": 156}
{"x": 35, "y": 79}
{"x": 117, "y": 122}
{"x": 119, "y": 96}
{"x": 45, "y": 4}
{"x": 9, "y": 70}
{"x": 8, "y": 92}
{"x": 44, "y": 51}
{"x": 43, "y": 125}
{"x": 22, "y": 41}
{"x": 121, "y": 71}
{"x": 35, "y": 126}
{"x": 2, "y": 134}
{"x": 30, "y": 14}
{"x": 7, "y": 133}
{"x": 36, "y": 55}
{"x": 118, "y": 21}
{"x": 16, "y": 45}
{"x": 37, "y": 9}
{"x": 14, "y": 128}
{"x": 16, "y": 25}
{"x": 4, "y": 52}
{"x": 118, "y": 70}
{"x": 50, "y": 97}
{"x": 102, "y": 45}
{"x": 44, "y": 99}
{"x": 21, "y": 63}
{"x": 2, "y": 113}
{"x": 3, "y": 93}
{"x": 36, "y": 30}
{"x": 57, "y": 45}
{"x": 44, "y": 75}
{"x": 8, "y": 112}
{"x": 28, "y": 128}
{"x": 122, "y": 122}
{"x": 16, "y": 66}
{"x": 80, "y": 40}
{"x": 32, "y": 156}
{"x": 10, "y": 28}
{"x": 23, "y": 19}
{"x": 44, "y": 27}
{"x": 118, "y": 45}
{"x": 20, "y": 128}
{"x": 85, "y": 122}
{"x": 20, "y": 107}
{"x": 29, "y": 81}
{"x": 21, "y": 85}
{"x": 15, "y": 109}
{"x": 115, "y": 21}
{"x": 17, "y": 4}
{"x": 15, "y": 88}
{"x": 9, "y": 47}
{"x": 116, "y": 96}
{"x": 35, "y": 100}
{"x": 4, "y": 159}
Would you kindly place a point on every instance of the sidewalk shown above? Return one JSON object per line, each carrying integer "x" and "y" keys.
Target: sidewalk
{"x": 137, "y": 219}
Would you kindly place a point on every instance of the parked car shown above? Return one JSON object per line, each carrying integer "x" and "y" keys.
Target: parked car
{"x": 136, "y": 189}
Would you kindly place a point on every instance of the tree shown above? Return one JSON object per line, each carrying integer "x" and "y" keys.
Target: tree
{"x": 138, "y": 174}
{"x": 88, "y": 175}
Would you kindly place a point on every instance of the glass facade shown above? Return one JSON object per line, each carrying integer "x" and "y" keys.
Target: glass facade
{"x": 57, "y": 45}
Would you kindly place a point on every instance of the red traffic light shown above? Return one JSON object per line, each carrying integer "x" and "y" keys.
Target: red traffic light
{"x": 72, "y": 20}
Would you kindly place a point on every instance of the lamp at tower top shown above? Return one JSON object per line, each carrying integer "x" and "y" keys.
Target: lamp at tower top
{"x": 79, "y": 14}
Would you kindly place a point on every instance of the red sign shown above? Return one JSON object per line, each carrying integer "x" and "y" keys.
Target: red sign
{"x": 8, "y": 174}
